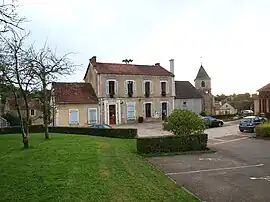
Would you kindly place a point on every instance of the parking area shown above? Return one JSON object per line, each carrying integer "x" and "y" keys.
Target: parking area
{"x": 238, "y": 171}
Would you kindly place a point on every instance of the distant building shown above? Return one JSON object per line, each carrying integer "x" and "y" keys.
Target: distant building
{"x": 203, "y": 84}
{"x": 187, "y": 97}
{"x": 262, "y": 103}
{"x": 225, "y": 109}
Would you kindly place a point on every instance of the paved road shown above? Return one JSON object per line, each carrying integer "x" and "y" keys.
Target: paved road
{"x": 238, "y": 171}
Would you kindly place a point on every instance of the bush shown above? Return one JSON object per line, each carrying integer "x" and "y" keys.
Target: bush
{"x": 166, "y": 126}
{"x": 127, "y": 133}
{"x": 263, "y": 130}
{"x": 17, "y": 129}
{"x": 185, "y": 122}
{"x": 195, "y": 142}
{"x": 203, "y": 113}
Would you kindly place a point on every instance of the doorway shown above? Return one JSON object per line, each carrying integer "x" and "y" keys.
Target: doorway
{"x": 164, "y": 110}
{"x": 112, "y": 114}
{"x": 148, "y": 110}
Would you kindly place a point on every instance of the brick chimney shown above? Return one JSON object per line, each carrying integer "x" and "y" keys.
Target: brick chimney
{"x": 93, "y": 60}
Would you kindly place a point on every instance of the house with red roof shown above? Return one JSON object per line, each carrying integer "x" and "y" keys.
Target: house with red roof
{"x": 115, "y": 93}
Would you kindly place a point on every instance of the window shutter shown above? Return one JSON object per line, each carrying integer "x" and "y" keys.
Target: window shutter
{"x": 143, "y": 110}
{"x": 92, "y": 116}
{"x": 134, "y": 86}
{"x": 168, "y": 108}
{"x": 160, "y": 110}
{"x": 151, "y": 87}
{"x": 126, "y": 87}
{"x": 116, "y": 87}
{"x": 134, "y": 106}
{"x": 167, "y": 87}
{"x": 143, "y": 87}
{"x": 153, "y": 110}
{"x": 73, "y": 117}
{"x": 160, "y": 87}
{"x": 107, "y": 87}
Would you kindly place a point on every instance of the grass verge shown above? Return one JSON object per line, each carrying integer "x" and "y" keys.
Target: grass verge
{"x": 80, "y": 168}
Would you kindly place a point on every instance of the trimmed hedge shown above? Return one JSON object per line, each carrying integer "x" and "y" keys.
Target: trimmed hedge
{"x": 17, "y": 129}
{"x": 195, "y": 142}
{"x": 126, "y": 133}
{"x": 263, "y": 130}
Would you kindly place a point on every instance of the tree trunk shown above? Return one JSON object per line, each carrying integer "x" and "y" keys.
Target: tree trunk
{"x": 25, "y": 137}
{"x": 46, "y": 128}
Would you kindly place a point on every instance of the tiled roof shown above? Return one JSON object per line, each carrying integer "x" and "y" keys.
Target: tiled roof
{"x": 265, "y": 88}
{"x": 202, "y": 74}
{"x": 185, "y": 90}
{"x": 79, "y": 93}
{"x": 129, "y": 69}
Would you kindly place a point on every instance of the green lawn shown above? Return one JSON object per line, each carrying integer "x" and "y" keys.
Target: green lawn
{"x": 80, "y": 168}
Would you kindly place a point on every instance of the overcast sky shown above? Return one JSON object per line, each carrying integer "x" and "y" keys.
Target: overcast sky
{"x": 232, "y": 36}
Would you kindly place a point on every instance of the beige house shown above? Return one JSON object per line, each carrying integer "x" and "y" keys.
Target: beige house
{"x": 225, "y": 109}
{"x": 74, "y": 104}
{"x": 34, "y": 107}
{"x": 127, "y": 91}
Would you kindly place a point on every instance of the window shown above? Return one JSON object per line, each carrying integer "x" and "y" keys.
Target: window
{"x": 130, "y": 87}
{"x": 32, "y": 112}
{"x": 92, "y": 115}
{"x": 203, "y": 84}
{"x": 163, "y": 88}
{"x": 73, "y": 116}
{"x": 147, "y": 88}
{"x": 111, "y": 87}
{"x": 131, "y": 111}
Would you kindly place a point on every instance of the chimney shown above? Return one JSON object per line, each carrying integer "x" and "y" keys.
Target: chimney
{"x": 172, "y": 66}
{"x": 157, "y": 64}
{"x": 93, "y": 60}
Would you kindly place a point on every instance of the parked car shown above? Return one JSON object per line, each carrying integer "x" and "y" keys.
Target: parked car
{"x": 212, "y": 122}
{"x": 96, "y": 125}
{"x": 249, "y": 123}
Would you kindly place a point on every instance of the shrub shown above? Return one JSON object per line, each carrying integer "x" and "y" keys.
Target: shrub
{"x": 193, "y": 142}
{"x": 166, "y": 126}
{"x": 263, "y": 130}
{"x": 127, "y": 133}
{"x": 203, "y": 113}
{"x": 185, "y": 122}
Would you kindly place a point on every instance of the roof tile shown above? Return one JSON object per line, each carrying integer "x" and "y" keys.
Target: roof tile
{"x": 185, "y": 90}
{"x": 81, "y": 93}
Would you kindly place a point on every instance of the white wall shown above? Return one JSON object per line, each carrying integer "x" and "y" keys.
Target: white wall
{"x": 194, "y": 105}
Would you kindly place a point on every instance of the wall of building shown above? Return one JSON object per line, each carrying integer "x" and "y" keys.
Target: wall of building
{"x": 61, "y": 117}
{"x": 195, "y": 105}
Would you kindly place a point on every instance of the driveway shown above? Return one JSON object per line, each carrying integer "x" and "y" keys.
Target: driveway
{"x": 155, "y": 129}
{"x": 238, "y": 171}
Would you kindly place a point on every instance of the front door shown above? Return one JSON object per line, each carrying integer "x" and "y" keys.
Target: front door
{"x": 112, "y": 114}
{"x": 148, "y": 110}
{"x": 164, "y": 110}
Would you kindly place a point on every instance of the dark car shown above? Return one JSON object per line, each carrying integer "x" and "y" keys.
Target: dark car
{"x": 249, "y": 123}
{"x": 212, "y": 122}
{"x": 96, "y": 125}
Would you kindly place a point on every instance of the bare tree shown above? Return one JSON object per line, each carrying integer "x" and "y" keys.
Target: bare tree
{"x": 47, "y": 67}
{"x": 9, "y": 18}
{"x": 16, "y": 73}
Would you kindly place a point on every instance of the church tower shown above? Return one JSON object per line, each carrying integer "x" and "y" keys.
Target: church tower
{"x": 203, "y": 84}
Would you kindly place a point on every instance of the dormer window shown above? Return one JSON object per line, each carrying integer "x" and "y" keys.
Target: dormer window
{"x": 202, "y": 84}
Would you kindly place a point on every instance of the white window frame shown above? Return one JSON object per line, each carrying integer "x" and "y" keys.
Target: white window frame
{"x": 34, "y": 112}
{"x": 167, "y": 86}
{"x": 168, "y": 103}
{"x": 151, "y": 86}
{"x": 145, "y": 109}
{"x": 69, "y": 116}
{"x": 131, "y": 103}
{"x": 126, "y": 86}
{"x": 88, "y": 109}
{"x": 114, "y": 80}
